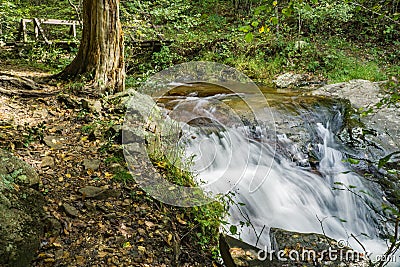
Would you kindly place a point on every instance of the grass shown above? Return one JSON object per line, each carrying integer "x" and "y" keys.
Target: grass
{"x": 348, "y": 68}
{"x": 206, "y": 219}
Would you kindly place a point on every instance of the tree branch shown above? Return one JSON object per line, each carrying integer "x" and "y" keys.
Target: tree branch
{"x": 78, "y": 12}
{"x": 376, "y": 13}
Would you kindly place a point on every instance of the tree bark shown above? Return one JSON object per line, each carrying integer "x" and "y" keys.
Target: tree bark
{"x": 101, "y": 52}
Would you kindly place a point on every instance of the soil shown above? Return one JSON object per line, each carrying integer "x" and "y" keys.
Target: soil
{"x": 94, "y": 216}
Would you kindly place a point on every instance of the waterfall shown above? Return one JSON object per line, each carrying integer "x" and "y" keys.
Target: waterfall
{"x": 290, "y": 197}
{"x": 276, "y": 192}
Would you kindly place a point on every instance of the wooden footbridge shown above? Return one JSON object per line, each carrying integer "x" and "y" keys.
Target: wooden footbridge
{"x": 40, "y": 35}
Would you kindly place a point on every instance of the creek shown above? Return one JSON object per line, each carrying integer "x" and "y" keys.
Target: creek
{"x": 287, "y": 168}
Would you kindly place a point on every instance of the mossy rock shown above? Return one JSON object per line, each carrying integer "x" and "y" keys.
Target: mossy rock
{"x": 21, "y": 212}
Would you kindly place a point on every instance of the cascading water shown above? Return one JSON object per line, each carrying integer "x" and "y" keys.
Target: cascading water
{"x": 278, "y": 193}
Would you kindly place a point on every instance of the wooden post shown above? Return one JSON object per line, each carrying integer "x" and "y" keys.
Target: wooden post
{"x": 73, "y": 29}
{"x": 36, "y": 22}
{"x": 24, "y": 33}
{"x": 36, "y": 32}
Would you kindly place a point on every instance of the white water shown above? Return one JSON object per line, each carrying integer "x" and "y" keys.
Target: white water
{"x": 277, "y": 193}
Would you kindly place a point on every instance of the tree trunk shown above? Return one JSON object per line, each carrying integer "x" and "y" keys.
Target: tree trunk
{"x": 101, "y": 52}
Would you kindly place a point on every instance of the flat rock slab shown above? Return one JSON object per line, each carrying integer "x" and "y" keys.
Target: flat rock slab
{"x": 98, "y": 192}
{"x": 53, "y": 141}
{"x": 361, "y": 93}
{"x": 91, "y": 164}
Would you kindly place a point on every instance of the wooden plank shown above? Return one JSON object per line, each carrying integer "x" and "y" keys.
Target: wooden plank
{"x": 37, "y": 24}
{"x": 38, "y": 30}
{"x": 59, "y": 22}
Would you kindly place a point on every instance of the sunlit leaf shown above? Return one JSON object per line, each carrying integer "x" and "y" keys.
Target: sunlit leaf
{"x": 233, "y": 229}
{"x": 352, "y": 161}
{"x": 384, "y": 160}
{"x": 246, "y": 28}
{"x": 249, "y": 37}
{"x": 254, "y": 24}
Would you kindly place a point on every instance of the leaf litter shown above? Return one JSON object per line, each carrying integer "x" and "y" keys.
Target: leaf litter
{"x": 92, "y": 219}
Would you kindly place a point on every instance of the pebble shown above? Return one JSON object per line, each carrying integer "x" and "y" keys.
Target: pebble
{"x": 70, "y": 210}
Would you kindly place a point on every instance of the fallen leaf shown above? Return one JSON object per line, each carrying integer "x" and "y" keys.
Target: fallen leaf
{"x": 180, "y": 220}
{"x": 102, "y": 254}
{"x": 169, "y": 238}
{"x": 149, "y": 224}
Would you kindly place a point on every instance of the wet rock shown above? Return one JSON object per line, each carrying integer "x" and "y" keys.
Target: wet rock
{"x": 70, "y": 210}
{"x": 361, "y": 93}
{"x": 290, "y": 249}
{"x": 91, "y": 164}
{"x": 313, "y": 249}
{"x": 20, "y": 211}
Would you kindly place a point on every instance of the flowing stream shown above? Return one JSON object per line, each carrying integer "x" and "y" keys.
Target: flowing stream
{"x": 269, "y": 169}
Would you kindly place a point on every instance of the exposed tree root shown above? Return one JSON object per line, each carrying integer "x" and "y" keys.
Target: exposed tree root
{"x": 12, "y": 85}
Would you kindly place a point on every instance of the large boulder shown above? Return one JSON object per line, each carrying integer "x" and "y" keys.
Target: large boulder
{"x": 289, "y": 80}
{"x": 361, "y": 93}
{"x": 21, "y": 212}
{"x": 364, "y": 95}
{"x": 290, "y": 249}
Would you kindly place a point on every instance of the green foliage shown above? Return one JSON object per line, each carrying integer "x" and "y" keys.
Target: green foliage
{"x": 165, "y": 58}
{"x": 123, "y": 176}
{"x": 205, "y": 219}
{"x": 9, "y": 179}
{"x": 327, "y": 16}
{"x": 35, "y": 133}
{"x": 261, "y": 43}
{"x": 50, "y": 56}
{"x": 11, "y": 12}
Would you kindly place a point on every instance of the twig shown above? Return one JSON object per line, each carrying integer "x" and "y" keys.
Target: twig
{"x": 376, "y": 13}
{"x": 394, "y": 247}
{"x": 259, "y": 236}
{"x": 358, "y": 241}
{"x": 322, "y": 226}
{"x": 77, "y": 10}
